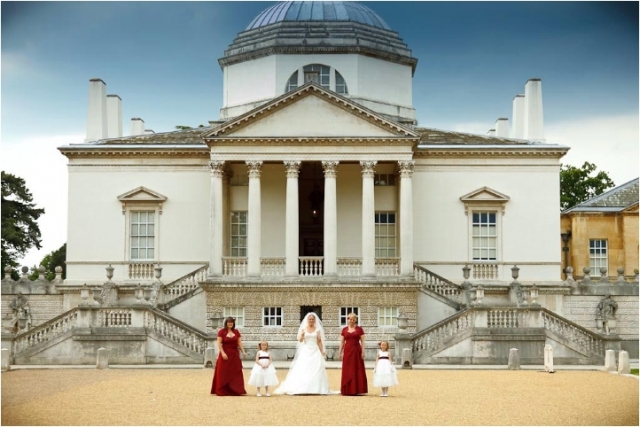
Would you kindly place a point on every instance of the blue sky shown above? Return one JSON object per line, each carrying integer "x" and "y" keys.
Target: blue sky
{"x": 161, "y": 58}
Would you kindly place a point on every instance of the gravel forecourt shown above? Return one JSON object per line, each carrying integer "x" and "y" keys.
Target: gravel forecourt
{"x": 424, "y": 397}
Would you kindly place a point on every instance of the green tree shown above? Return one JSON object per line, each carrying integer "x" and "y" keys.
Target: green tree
{"x": 20, "y": 231}
{"x": 183, "y": 127}
{"x": 578, "y": 185}
{"x": 50, "y": 261}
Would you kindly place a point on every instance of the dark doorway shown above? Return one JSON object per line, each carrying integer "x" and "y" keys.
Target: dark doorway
{"x": 311, "y": 209}
{"x": 304, "y": 309}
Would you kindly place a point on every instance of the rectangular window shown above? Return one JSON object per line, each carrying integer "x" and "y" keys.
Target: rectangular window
{"x": 239, "y": 234}
{"x": 142, "y": 235}
{"x": 485, "y": 236}
{"x": 387, "y": 316}
{"x": 235, "y": 312}
{"x": 344, "y": 311}
{"x": 272, "y": 316}
{"x": 597, "y": 256}
{"x": 384, "y": 179}
{"x": 385, "y": 234}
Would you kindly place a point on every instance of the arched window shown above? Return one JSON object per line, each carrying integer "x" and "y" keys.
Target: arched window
{"x": 321, "y": 74}
{"x": 292, "y": 83}
{"x": 341, "y": 85}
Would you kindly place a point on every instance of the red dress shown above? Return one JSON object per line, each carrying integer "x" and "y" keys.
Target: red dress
{"x": 227, "y": 378}
{"x": 354, "y": 376}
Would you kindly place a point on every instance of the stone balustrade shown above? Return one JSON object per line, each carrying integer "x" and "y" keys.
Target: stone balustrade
{"x": 436, "y": 283}
{"x": 185, "y": 284}
{"x": 175, "y": 332}
{"x": 435, "y": 338}
{"x": 273, "y": 267}
{"x": 46, "y": 331}
{"x": 587, "y": 341}
{"x": 141, "y": 270}
{"x": 387, "y": 266}
{"x": 311, "y": 266}
{"x": 485, "y": 271}
{"x": 349, "y": 266}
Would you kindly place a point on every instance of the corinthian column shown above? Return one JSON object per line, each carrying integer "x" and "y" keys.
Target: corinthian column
{"x": 330, "y": 219}
{"x": 406, "y": 217}
{"x": 368, "y": 220}
{"x": 215, "y": 219}
{"x": 255, "y": 214}
{"x": 292, "y": 220}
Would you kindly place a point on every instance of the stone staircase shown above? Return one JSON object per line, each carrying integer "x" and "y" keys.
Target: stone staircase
{"x": 183, "y": 288}
{"x": 484, "y": 335}
{"x": 438, "y": 287}
{"x": 134, "y": 335}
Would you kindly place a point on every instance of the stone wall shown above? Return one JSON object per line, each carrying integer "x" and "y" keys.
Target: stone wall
{"x": 330, "y": 297}
{"x": 43, "y": 307}
{"x": 581, "y": 309}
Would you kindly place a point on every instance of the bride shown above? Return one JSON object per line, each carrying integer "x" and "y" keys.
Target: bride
{"x": 307, "y": 373}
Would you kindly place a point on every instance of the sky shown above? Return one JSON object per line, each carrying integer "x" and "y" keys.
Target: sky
{"x": 161, "y": 59}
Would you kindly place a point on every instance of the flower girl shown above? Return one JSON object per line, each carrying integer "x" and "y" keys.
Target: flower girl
{"x": 263, "y": 372}
{"x": 384, "y": 373}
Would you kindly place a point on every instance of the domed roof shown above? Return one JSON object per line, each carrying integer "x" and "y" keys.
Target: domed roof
{"x": 297, "y": 11}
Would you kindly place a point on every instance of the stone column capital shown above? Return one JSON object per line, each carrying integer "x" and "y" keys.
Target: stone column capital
{"x": 255, "y": 168}
{"x": 368, "y": 168}
{"x": 217, "y": 168}
{"x": 330, "y": 168}
{"x": 292, "y": 168}
{"x": 406, "y": 168}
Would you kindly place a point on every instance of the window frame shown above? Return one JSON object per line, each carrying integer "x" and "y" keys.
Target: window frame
{"x": 480, "y": 236}
{"x": 228, "y": 312}
{"x": 264, "y": 316}
{"x": 154, "y": 236}
{"x": 239, "y": 235}
{"x": 394, "y": 319}
{"x": 595, "y": 270}
{"x": 379, "y": 236}
{"x": 347, "y": 310}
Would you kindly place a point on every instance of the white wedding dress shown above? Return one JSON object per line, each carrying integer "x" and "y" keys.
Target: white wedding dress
{"x": 308, "y": 373}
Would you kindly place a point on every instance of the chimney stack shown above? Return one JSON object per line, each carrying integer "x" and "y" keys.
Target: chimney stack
{"x": 114, "y": 116}
{"x": 491, "y": 132}
{"x": 502, "y": 127}
{"x": 533, "y": 123}
{"x": 137, "y": 126}
{"x": 97, "y": 114}
{"x": 517, "y": 130}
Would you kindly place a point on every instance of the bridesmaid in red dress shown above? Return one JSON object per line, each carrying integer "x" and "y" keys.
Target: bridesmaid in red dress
{"x": 354, "y": 376}
{"x": 227, "y": 378}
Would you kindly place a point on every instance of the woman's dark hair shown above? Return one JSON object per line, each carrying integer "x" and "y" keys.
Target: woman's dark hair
{"x": 229, "y": 319}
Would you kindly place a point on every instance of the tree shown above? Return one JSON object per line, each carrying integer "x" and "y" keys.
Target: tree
{"x": 50, "y": 261}
{"x": 183, "y": 127}
{"x": 578, "y": 185}
{"x": 20, "y": 231}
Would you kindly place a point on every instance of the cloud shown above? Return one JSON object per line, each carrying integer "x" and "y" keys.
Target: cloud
{"x": 19, "y": 65}
{"x": 610, "y": 142}
{"x": 37, "y": 160}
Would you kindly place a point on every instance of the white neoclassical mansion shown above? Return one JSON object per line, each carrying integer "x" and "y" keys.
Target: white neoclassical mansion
{"x": 316, "y": 190}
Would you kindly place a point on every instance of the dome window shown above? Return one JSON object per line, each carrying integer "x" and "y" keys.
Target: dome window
{"x": 293, "y": 82}
{"x": 317, "y": 73}
{"x": 341, "y": 85}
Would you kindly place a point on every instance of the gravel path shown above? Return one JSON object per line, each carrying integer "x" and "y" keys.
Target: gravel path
{"x": 430, "y": 397}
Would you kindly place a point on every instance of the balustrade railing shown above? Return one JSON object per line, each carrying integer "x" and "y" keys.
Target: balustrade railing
{"x": 46, "y": 331}
{"x": 175, "y": 332}
{"x": 387, "y": 266}
{"x": 349, "y": 266}
{"x": 185, "y": 284}
{"x": 273, "y": 267}
{"x": 436, "y": 283}
{"x": 508, "y": 318}
{"x": 234, "y": 266}
{"x": 484, "y": 271}
{"x": 311, "y": 266}
{"x": 435, "y": 337}
{"x": 584, "y": 339}
{"x": 115, "y": 317}
{"x": 141, "y": 270}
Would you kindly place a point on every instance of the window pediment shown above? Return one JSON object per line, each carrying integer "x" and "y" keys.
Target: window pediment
{"x": 142, "y": 196}
{"x": 484, "y": 196}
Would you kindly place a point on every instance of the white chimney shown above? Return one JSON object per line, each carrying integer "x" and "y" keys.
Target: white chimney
{"x": 137, "y": 126}
{"x": 97, "y": 114}
{"x": 502, "y": 127}
{"x": 491, "y": 132}
{"x": 517, "y": 129}
{"x": 533, "y": 123}
{"x": 114, "y": 116}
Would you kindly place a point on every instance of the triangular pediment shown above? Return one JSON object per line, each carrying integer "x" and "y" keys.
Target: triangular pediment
{"x": 485, "y": 194}
{"x": 311, "y": 112}
{"x": 142, "y": 196}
